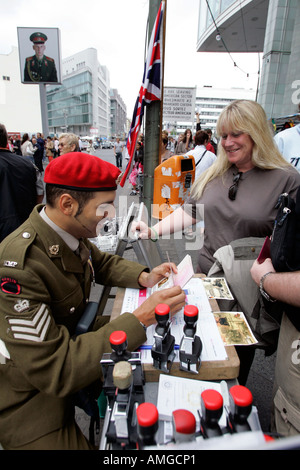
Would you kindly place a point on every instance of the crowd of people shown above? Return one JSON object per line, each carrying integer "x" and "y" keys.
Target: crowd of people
{"x": 50, "y": 264}
{"x": 39, "y": 148}
{"x": 200, "y": 146}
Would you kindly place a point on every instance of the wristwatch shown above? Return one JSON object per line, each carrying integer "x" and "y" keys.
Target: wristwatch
{"x": 262, "y": 290}
{"x": 144, "y": 326}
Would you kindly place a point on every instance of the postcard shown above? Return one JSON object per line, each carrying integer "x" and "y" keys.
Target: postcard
{"x": 234, "y": 329}
{"x": 217, "y": 288}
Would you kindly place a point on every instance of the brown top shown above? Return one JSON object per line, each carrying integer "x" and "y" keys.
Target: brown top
{"x": 251, "y": 214}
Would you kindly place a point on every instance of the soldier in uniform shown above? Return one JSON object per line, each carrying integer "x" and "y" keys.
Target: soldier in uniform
{"x": 39, "y": 68}
{"x": 44, "y": 290}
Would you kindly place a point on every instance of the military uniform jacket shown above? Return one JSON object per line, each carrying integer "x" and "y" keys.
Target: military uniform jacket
{"x": 44, "y": 291}
{"x": 40, "y": 70}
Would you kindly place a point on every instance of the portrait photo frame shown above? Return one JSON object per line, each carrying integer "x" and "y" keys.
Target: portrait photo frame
{"x": 51, "y": 70}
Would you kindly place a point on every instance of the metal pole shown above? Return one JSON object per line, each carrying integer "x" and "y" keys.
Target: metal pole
{"x": 152, "y": 128}
{"x": 44, "y": 109}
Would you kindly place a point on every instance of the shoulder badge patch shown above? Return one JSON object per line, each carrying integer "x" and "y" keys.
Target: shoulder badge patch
{"x": 10, "y": 264}
{"x": 21, "y": 306}
{"x": 31, "y": 329}
{"x": 10, "y": 286}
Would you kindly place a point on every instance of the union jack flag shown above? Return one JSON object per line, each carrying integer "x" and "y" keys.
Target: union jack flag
{"x": 150, "y": 89}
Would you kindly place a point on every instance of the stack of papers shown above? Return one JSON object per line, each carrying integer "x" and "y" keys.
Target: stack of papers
{"x": 175, "y": 393}
{"x": 207, "y": 330}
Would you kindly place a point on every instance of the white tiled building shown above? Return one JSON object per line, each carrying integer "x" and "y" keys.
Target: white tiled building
{"x": 19, "y": 103}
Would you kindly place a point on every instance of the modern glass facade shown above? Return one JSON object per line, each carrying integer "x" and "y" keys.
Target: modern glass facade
{"x": 217, "y": 8}
{"x": 281, "y": 66}
{"x": 268, "y": 26}
{"x": 82, "y": 103}
{"x": 70, "y": 104}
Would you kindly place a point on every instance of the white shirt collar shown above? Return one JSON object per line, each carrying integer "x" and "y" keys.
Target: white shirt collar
{"x": 71, "y": 241}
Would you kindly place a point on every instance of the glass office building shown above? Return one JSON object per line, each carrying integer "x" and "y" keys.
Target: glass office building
{"x": 118, "y": 112}
{"x": 269, "y": 27}
{"x": 70, "y": 105}
{"x": 82, "y": 103}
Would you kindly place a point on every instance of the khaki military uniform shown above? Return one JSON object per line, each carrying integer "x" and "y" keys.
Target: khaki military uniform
{"x": 44, "y": 291}
{"x": 40, "y": 70}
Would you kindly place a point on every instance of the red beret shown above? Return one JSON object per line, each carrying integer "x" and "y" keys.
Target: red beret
{"x": 82, "y": 172}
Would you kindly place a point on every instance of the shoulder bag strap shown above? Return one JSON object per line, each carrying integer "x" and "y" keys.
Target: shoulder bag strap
{"x": 201, "y": 158}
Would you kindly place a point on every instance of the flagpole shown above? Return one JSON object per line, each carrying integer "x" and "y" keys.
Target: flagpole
{"x": 162, "y": 79}
{"x": 152, "y": 130}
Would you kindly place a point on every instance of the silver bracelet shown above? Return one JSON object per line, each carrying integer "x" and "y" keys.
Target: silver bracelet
{"x": 262, "y": 290}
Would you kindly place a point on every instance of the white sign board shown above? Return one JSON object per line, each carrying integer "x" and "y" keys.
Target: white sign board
{"x": 179, "y": 104}
{"x": 94, "y": 130}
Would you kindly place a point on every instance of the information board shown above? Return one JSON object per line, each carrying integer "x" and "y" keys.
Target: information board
{"x": 179, "y": 104}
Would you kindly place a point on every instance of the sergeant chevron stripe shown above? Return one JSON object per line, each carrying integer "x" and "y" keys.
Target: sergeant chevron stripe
{"x": 31, "y": 330}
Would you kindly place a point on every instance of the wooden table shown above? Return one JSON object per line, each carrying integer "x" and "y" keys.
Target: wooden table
{"x": 209, "y": 370}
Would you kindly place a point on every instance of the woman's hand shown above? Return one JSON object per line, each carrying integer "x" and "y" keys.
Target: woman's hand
{"x": 142, "y": 229}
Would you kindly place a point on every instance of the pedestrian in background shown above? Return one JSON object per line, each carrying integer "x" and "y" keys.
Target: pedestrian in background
{"x": 211, "y": 146}
{"x": 19, "y": 188}
{"x": 90, "y": 148}
{"x": 41, "y": 142}
{"x": 56, "y": 149}
{"x": 288, "y": 142}
{"x": 68, "y": 142}
{"x": 165, "y": 152}
{"x": 17, "y": 145}
{"x": 203, "y": 157}
{"x": 186, "y": 143}
{"x": 49, "y": 148}
{"x": 118, "y": 149}
{"x": 27, "y": 148}
{"x": 38, "y": 154}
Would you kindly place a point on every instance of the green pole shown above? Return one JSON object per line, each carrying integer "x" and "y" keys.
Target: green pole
{"x": 152, "y": 129}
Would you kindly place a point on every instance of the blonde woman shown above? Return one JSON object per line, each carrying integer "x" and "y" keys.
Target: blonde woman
{"x": 239, "y": 191}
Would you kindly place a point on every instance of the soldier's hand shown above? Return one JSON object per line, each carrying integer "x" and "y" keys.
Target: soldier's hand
{"x": 173, "y": 296}
{"x": 157, "y": 274}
